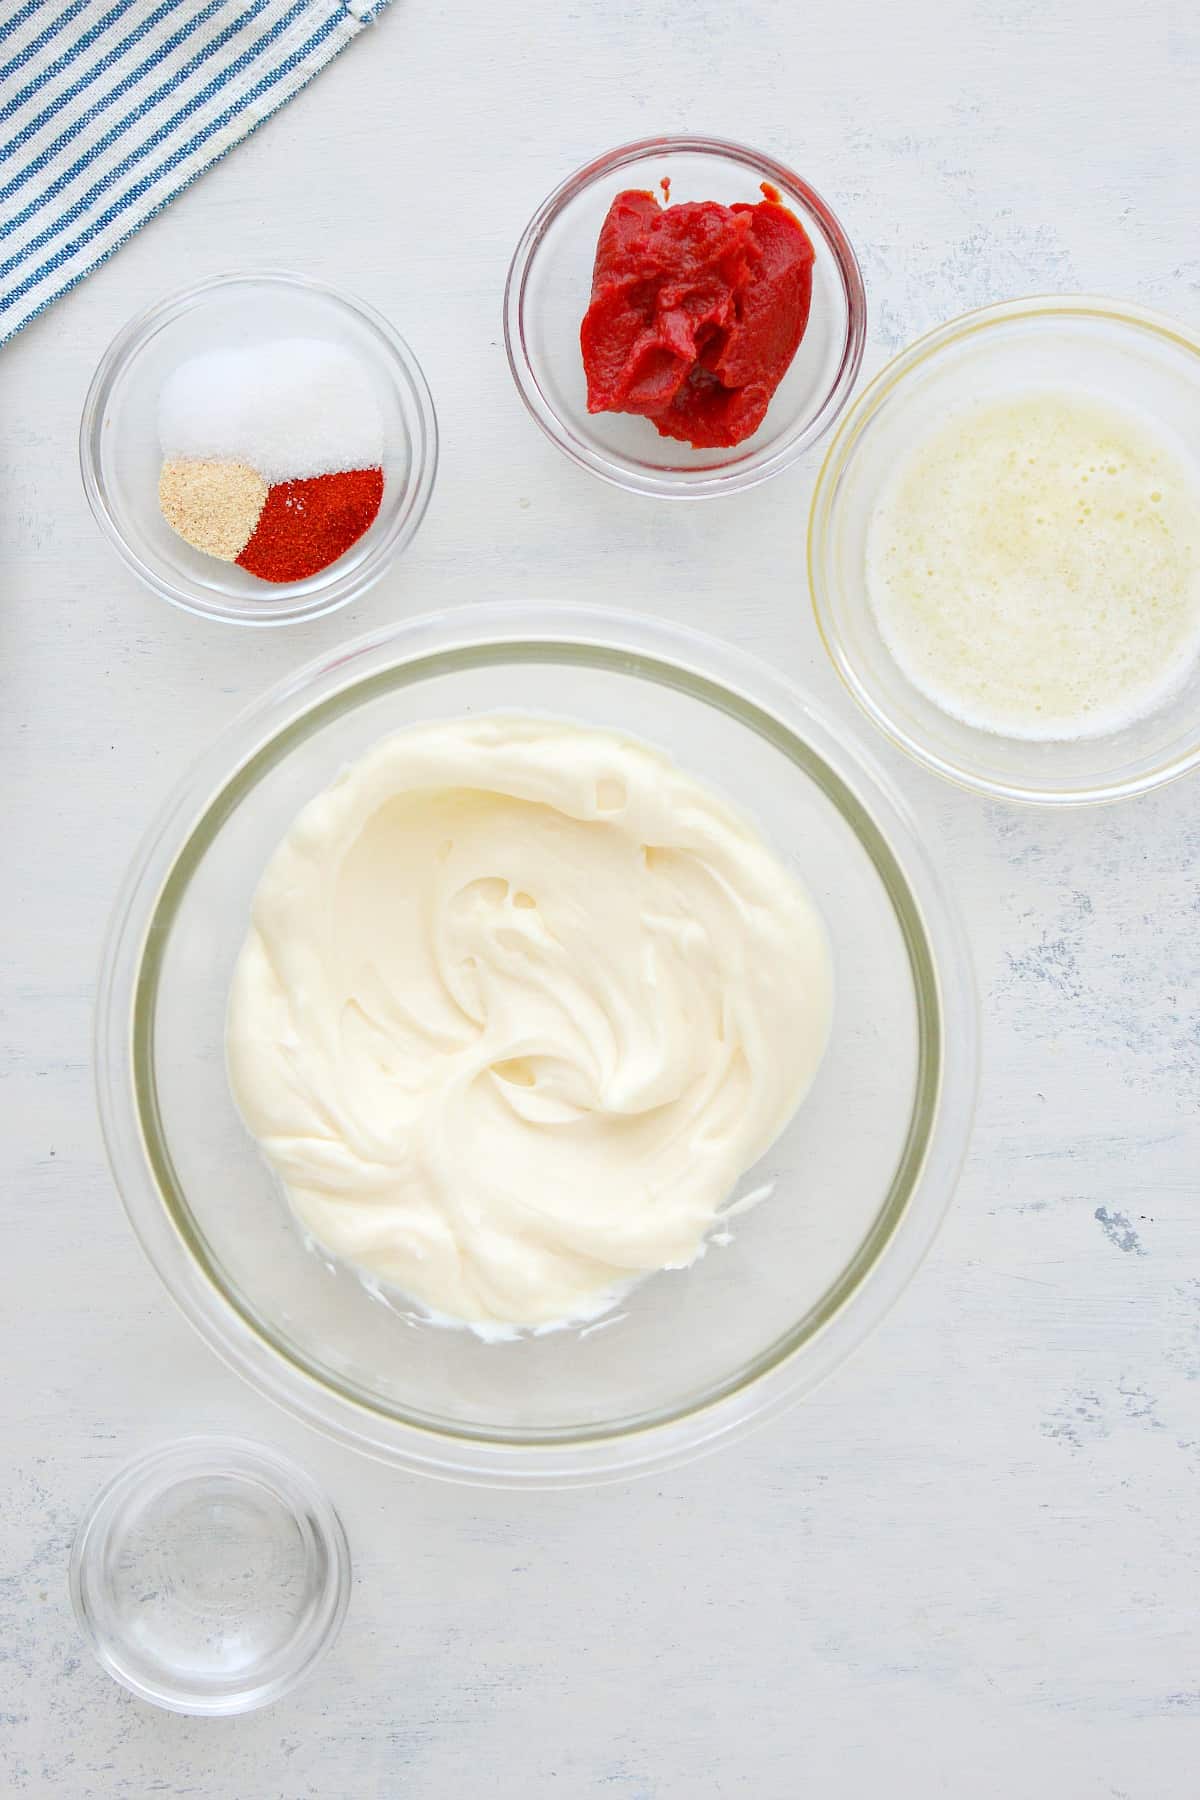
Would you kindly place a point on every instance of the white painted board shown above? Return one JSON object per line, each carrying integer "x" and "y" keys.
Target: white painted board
{"x": 970, "y": 1565}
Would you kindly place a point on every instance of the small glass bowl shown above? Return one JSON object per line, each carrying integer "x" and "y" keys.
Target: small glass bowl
{"x": 120, "y": 455}
{"x": 1136, "y": 359}
{"x": 210, "y": 1576}
{"x": 549, "y": 285}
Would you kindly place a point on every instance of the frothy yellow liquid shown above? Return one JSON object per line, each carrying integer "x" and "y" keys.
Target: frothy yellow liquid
{"x": 1034, "y": 567}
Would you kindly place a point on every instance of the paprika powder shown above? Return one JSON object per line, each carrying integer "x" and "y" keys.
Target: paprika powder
{"x": 306, "y": 525}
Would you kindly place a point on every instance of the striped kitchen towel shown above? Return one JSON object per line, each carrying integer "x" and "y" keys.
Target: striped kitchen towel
{"x": 109, "y": 107}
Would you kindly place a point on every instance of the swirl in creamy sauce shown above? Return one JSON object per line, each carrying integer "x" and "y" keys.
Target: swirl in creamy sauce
{"x": 519, "y": 1004}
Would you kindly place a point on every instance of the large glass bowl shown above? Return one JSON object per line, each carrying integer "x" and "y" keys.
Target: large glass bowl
{"x": 858, "y": 1181}
{"x": 1141, "y": 363}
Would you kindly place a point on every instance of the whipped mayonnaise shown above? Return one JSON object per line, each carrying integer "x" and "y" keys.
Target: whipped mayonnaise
{"x": 519, "y": 1004}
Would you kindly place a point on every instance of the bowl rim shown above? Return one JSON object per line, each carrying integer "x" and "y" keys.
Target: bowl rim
{"x": 944, "y": 992}
{"x": 683, "y": 483}
{"x": 340, "y": 589}
{"x": 853, "y": 427}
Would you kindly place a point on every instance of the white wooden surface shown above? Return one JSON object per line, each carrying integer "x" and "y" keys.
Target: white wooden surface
{"x": 970, "y": 1566}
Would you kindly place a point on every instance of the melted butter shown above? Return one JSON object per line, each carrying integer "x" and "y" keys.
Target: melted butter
{"x": 1034, "y": 567}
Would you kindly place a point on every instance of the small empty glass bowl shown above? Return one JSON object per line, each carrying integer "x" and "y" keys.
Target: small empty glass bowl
{"x": 210, "y": 1576}
{"x": 1140, "y": 362}
{"x": 549, "y": 286}
{"x": 120, "y": 455}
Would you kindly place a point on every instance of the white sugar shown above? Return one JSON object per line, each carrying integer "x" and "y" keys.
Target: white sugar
{"x": 291, "y": 409}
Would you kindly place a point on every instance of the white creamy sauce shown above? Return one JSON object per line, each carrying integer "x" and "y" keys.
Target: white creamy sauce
{"x": 519, "y": 1004}
{"x": 1034, "y": 566}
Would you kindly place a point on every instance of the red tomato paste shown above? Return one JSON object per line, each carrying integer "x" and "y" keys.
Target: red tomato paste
{"x": 697, "y": 311}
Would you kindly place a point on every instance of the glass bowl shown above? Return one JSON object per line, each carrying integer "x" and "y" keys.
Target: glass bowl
{"x": 550, "y": 283}
{"x": 210, "y": 1576}
{"x": 1136, "y": 359}
{"x": 860, "y": 1177}
{"x": 120, "y": 457}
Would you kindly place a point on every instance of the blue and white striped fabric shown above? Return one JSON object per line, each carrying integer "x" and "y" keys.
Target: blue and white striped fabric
{"x": 109, "y": 107}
